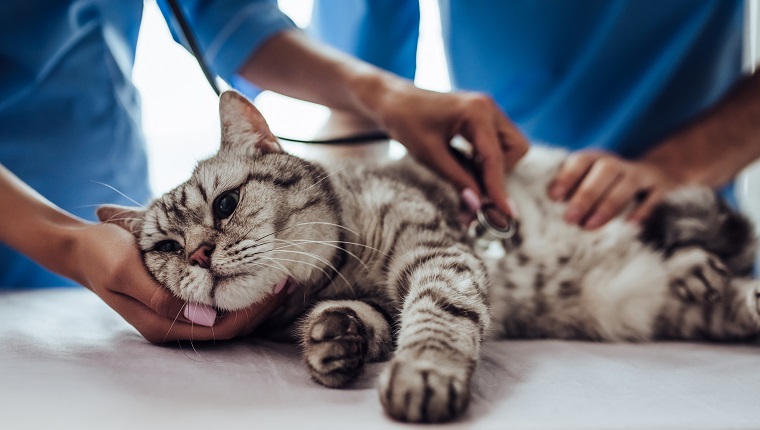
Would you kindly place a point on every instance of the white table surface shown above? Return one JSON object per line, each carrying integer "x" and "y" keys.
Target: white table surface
{"x": 68, "y": 361}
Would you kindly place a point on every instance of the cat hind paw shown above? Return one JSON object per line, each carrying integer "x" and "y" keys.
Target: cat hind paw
{"x": 698, "y": 276}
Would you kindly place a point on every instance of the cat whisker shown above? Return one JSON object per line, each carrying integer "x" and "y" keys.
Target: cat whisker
{"x": 281, "y": 268}
{"x": 120, "y": 193}
{"x": 322, "y": 179}
{"x": 348, "y": 284}
{"x": 308, "y": 223}
{"x": 317, "y": 242}
{"x": 174, "y": 321}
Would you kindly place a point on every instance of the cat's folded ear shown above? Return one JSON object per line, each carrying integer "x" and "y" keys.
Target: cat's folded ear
{"x": 130, "y": 219}
{"x": 243, "y": 127}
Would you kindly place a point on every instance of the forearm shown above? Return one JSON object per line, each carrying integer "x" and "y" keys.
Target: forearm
{"x": 292, "y": 64}
{"x": 35, "y": 227}
{"x": 715, "y": 147}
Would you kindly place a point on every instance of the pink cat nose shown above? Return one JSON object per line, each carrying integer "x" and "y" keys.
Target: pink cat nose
{"x": 202, "y": 256}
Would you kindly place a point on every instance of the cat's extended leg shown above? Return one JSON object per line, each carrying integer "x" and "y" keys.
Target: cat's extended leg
{"x": 696, "y": 217}
{"x": 339, "y": 336}
{"x": 735, "y": 316}
{"x": 696, "y": 275}
{"x": 443, "y": 321}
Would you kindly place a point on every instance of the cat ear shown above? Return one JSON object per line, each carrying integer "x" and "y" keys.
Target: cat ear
{"x": 243, "y": 126}
{"x": 130, "y": 219}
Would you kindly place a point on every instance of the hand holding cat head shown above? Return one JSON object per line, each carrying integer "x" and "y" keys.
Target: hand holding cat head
{"x": 249, "y": 220}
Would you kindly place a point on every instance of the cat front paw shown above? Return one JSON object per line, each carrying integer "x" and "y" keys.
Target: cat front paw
{"x": 697, "y": 276}
{"x": 335, "y": 347}
{"x": 422, "y": 391}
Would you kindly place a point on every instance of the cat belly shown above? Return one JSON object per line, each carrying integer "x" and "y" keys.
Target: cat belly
{"x": 561, "y": 281}
{"x": 577, "y": 289}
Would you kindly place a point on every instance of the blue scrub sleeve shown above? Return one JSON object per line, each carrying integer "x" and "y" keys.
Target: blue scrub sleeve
{"x": 229, "y": 31}
{"x": 380, "y": 32}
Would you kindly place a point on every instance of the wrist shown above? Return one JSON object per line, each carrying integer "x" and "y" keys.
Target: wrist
{"x": 66, "y": 241}
{"x": 373, "y": 90}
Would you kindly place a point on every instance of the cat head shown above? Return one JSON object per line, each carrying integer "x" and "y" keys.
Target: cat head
{"x": 249, "y": 218}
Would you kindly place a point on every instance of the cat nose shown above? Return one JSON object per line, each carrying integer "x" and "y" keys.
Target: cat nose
{"x": 202, "y": 256}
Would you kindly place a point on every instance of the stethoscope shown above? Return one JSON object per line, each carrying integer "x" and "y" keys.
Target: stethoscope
{"x": 482, "y": 230}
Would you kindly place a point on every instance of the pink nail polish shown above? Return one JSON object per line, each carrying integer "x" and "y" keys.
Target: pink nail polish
{"x": 513, "y": 208}
{"x": 593, "y": 222}
{"x": 470, "y": 199}
{"x": 573, "y": 215}
{"x": 557, "y": 192}
{"x": 200, "y": 314}
{"x": 280, "y": 285}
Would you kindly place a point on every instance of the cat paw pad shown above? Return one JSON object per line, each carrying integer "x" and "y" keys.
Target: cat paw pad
{"x": 423, "y": 391}
{"x": 335, "y": 347}
{"x": 698, "y": 276}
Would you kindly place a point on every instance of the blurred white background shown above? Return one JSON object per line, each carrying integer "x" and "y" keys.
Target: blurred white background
{"x": 180, "y": 115}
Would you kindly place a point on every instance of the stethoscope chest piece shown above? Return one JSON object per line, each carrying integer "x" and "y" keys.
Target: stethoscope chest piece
{"x": 491, "y": 226}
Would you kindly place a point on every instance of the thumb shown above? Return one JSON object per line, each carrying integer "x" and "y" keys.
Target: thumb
{"x": 166, "y": 304}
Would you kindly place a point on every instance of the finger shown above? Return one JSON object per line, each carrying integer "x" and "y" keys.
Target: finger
{"x": 646, "y": 207}
{"x": 617, "y": 198}
{"x": 446, "y": 166}
{"x": 156, "y": 298}
{"x": 593, "y": 186}
{"x": 130, "y": 278}
{"x": 514, "y": 144}
{"x": 159, "y": 330}
{"x": 570, "y": 174}
{"x": 488, "y": 147}
{"x": 244, "y": 321}
{"x": 155, "y": 328}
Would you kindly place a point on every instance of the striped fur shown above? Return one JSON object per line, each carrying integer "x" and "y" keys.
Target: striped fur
{"x": 386, "y": 268}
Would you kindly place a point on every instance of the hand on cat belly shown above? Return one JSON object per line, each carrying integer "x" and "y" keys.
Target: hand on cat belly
{"x": 116, "y": 273}
{"x": 598, "y": 186}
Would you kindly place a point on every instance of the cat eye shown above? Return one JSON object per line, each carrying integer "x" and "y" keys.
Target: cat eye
{"x": 167, "y": 246}
{"x": 225, "y": 204}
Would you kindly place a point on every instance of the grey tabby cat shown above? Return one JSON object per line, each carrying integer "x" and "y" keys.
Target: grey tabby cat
{"x": 386, "y": 268}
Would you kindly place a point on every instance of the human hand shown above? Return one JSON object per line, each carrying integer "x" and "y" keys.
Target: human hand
{"x": 598, "y": 186}
{"x": 426, "y": 121}
{"x": 113, "y": 269}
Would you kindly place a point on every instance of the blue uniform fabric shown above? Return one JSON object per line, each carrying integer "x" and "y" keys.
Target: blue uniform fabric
{"x": 69, "y": 113}
{"x": 618, "y": 75}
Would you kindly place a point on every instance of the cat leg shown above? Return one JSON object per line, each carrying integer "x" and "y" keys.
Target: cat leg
{"x": 697, "y": 217}
{"x": 443, "y": 321}
{"x": 339, "y": 336}
{"x": 696, "y": 275}
{"x": 735, "y": 316}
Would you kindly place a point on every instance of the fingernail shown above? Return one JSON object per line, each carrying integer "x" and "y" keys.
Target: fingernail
{"x": 200, "y": 314}
{"x": 557, "y": 191}
{"x": 470, "y": 199}
{"x": 293, "y": 287}
{"x": 573, "y": 215}
{"x": 280, "y": 285}
{"x": 513, "y": 208}
{"x": 594, "y": 222}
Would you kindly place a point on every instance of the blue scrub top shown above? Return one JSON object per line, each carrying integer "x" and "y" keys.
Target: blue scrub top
{"x": 69, "y": 112}
{"x": 618, "y": 75}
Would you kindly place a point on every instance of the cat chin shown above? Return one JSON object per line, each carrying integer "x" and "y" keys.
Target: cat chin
{"x": 237, "y": 293}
